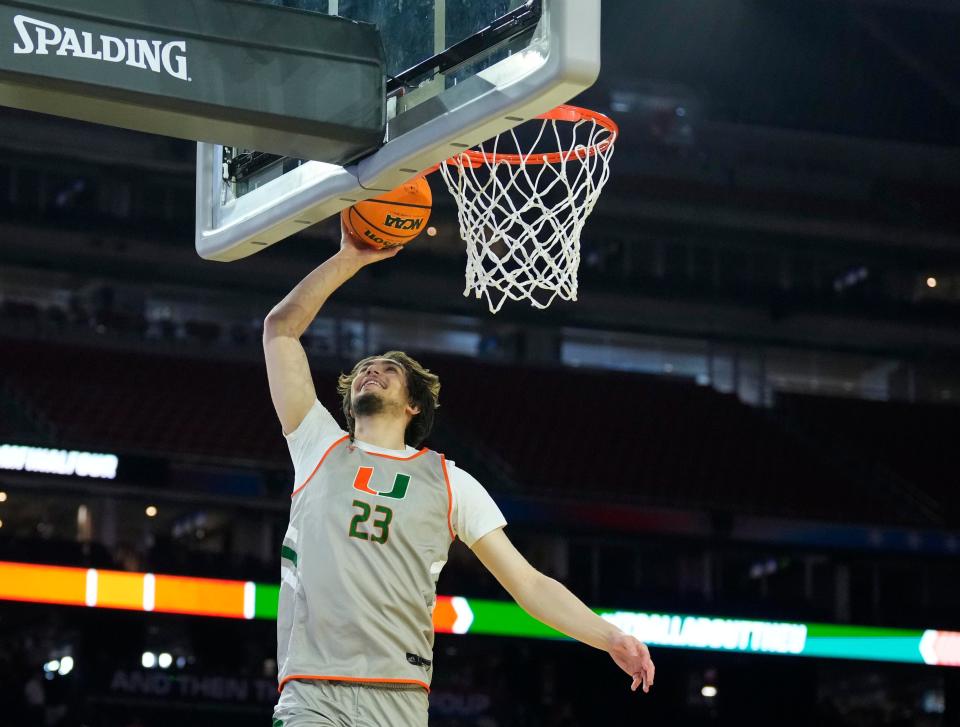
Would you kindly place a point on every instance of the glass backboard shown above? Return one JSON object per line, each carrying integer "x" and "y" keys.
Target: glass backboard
{"x": 458, "y": 72}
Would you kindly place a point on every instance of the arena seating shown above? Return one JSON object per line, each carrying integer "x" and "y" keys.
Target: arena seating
{"x": 915, "y": 442}
{"x": 662, "y": 441}
{"x": 646, "y": 439}
{"x": 98, "y": 398}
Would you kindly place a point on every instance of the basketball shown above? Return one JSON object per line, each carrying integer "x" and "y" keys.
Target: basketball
{"x": 392, "y": 219}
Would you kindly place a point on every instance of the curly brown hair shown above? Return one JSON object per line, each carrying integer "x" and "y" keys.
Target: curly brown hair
{"x": 423, "y": 388}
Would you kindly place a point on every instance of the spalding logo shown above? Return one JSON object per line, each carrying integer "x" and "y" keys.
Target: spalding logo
{"x": 155, "y": 55}
{"x": 402, "y": 223}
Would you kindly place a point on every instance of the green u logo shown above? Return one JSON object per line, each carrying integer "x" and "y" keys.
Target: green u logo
{"x": 362, "y": 483}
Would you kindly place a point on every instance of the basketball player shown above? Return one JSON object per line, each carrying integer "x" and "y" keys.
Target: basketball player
{"x": 371, "y": 521}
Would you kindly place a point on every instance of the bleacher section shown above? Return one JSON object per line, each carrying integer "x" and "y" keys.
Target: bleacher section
{"x": 915, "y": 442}
{"x": 657, "y": 440}
{"x": 646, "y": 439}
{"x": 138, "y": 402}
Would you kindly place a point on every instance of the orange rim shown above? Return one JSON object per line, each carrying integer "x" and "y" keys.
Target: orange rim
{"x": 572, "y": 114}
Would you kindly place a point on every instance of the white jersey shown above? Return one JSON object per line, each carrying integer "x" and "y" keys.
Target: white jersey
{"x": 368, "y": 535}
{"x": 474, "y": 512}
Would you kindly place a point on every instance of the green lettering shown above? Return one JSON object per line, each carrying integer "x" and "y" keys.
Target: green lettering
{"x": 359, "y": 518}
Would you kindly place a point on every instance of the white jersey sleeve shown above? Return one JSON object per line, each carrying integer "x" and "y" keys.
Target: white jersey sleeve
{"x": 474, "y": 512}
{"x": 311, "y": 438}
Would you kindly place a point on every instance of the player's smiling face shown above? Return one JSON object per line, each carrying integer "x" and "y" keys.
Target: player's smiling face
{"x": 382, "y": 379}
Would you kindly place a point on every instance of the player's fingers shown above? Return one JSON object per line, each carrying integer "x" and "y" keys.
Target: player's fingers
{"x": 346, "y": 233}
{"x": 636, "y": 682}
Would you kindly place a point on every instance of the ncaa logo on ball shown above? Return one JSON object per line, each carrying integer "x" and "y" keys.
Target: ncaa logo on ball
{"x": 402, "y": 223}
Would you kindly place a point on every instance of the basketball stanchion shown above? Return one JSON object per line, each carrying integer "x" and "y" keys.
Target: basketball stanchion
{"x": 523, "y": 198}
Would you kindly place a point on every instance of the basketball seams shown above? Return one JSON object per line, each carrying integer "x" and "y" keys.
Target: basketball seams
{"x": 399, "y": 204}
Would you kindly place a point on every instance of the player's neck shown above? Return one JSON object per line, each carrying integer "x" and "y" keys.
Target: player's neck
{"x": 381, "y": 430}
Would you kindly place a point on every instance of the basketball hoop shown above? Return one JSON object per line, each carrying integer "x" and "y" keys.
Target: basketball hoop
{"x": 523, "y": 198}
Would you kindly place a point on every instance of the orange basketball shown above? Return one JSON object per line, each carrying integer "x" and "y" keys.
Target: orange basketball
{"x": 392, "y": 219}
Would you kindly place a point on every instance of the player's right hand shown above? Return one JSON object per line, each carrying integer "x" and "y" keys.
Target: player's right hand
{"x": 360, "y": 252}
{"x": 633, "y": 656}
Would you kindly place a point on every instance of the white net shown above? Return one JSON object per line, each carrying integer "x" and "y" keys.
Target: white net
{"x": 522, "y": 208}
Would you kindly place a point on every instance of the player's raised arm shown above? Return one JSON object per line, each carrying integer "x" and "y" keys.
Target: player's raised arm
{"x": 291, "y": 385}
{"x": 550, "y": 602}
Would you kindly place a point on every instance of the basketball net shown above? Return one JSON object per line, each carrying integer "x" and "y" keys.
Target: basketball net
{"x": 522, "y": 209}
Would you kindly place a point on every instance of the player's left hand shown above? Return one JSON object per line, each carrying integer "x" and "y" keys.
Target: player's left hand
{"x": 633, "y": 657}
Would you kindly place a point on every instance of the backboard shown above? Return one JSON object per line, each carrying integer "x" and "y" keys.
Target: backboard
{"x": 459, "y": 72}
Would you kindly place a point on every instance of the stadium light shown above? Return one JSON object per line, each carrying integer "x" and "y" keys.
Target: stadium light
{"x": 148, "y": 660}
{"x": 66, "y": 666}
{"x": 709, "y": 691}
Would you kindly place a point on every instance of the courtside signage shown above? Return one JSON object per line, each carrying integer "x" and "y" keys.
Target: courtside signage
{"x": 58, "y": 461}
{"x": 722, "y": 634}
{"x": 38, "y": 37}
{"x": 95, "y": 588}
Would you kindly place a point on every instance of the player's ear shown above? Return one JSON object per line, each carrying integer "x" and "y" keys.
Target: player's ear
{"x": 413, "y": 409}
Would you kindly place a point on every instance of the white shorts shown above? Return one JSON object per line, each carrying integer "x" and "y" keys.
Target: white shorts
{"x": 324, "y": 703}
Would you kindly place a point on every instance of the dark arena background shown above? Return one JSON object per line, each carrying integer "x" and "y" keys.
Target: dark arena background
{"x": 740, "y": 442}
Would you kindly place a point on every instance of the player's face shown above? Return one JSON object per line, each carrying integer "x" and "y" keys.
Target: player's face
{"x": 381, "y": 378}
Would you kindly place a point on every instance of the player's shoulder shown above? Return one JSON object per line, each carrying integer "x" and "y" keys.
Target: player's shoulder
{"x": 318, "y": 422}
{"x": 459, "y": 477}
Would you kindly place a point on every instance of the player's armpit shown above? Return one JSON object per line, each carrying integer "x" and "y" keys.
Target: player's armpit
{"x": 507, "y": 565}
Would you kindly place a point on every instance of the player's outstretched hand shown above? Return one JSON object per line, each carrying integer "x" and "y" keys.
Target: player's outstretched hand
{"x": 360, "y": 252}
{"x": 633, "y": 657}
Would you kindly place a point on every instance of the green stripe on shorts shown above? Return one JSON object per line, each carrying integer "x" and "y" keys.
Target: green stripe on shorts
{"x": 291, "y": 555}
